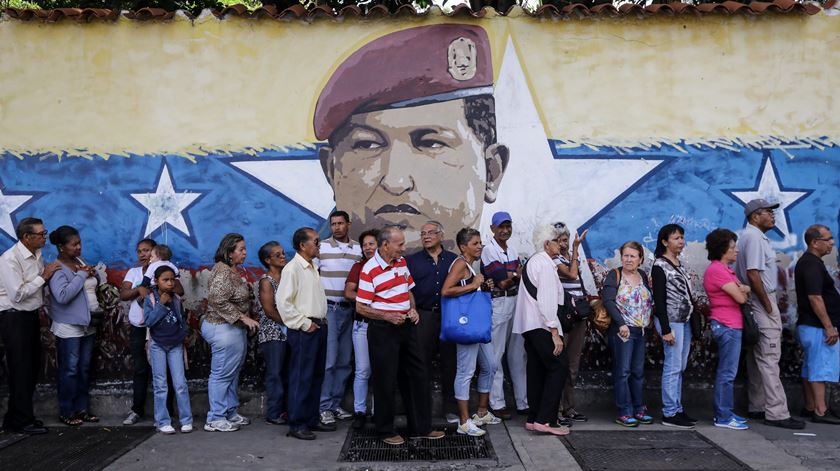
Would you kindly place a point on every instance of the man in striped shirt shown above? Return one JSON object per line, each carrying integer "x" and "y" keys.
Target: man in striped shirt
{"x": 396, "y": 355}
{"x": 337, "y": 256}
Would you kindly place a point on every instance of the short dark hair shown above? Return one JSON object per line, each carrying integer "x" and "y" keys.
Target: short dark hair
{"x": 369, "y": 233}
{"x": 717, "y": 243}
{"x": 664, "y": 234}
{"x": 480, "y": 112}
{"x": 632, "y": 244}
{"x": 301, "y": 236}
{"x": 150, "y": 242}
{"x": 226, "y": 247}
{"x": 339, "y": 213}
{"x": 163, "y": 251}
{"x": 163, "y": 269}
{"x": 814, "y": 232}
{"x": 265, "y": 251}
{"x": 465, "y": 235}
{"x": 62, "y": 235}
{"x": 26, "y": 225}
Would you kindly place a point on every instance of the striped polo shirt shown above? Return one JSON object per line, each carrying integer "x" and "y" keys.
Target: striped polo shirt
{"x": 385, "y": 286}
{"x": 334, "y": 262}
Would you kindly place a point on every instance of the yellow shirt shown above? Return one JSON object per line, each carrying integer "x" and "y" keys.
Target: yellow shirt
{"x": 300, "y": 294}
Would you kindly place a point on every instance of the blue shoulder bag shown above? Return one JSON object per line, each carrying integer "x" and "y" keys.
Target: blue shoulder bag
{"x": 466, "y": 319}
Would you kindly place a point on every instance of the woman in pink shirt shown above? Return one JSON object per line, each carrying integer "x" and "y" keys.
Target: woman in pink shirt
{"x": 726, "y": 294}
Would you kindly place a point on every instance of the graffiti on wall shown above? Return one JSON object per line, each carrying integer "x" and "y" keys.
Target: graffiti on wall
{"x": 415, "y": 125}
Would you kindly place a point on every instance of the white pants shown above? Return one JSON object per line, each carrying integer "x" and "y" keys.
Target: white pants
{"x": 502, "y": 339}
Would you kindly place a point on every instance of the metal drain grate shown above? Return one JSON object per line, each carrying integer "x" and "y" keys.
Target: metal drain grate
{"x": 363, "y": 445}
{"x": 656, "y": 450}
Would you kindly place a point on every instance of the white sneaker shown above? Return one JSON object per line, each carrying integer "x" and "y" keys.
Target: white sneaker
{"x": 452, "y": 418}
{"x": 469, "y": 428}
{"x": 327, "y": 417}
{"x": 166, "y": 430}
{"x": 487, "y": 419}
{"x": 341, "y": 414}
{"x": 132, "y": 418}
{"x": 240, "y": 420}
{"x": 220, "y": 426}
{"x": 186, "y": 428}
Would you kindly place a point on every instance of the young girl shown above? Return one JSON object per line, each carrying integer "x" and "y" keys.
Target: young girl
{"x": 164, "y": 317}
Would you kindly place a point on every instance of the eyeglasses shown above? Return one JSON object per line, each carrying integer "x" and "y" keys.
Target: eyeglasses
{"x": 278, "y": 255}
{"x": 825, "y": 240}
{"x": 429, "y": 233}
{"x": 40, "y": 234}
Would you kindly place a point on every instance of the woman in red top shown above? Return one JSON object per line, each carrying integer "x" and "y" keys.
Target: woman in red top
{"x": 726, "y": 294}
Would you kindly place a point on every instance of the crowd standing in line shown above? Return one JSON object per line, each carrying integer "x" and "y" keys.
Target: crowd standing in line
{"x": 340, "y": 299}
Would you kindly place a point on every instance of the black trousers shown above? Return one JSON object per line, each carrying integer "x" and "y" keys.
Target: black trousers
{"x": 429, "y": 332}
{"x": 307, "y": 360}
{"x": 21, "y": 333}
{"x": 142, "y": 373}
{"x": 396, "y": 358}
{"x": 546, "y": 376}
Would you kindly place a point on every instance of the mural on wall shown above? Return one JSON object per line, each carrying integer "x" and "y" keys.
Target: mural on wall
{"x": 414, "y": 125}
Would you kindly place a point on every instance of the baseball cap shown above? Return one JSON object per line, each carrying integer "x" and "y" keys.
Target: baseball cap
{"x": 501, "y": 217}
{"x": 756, "y": 204}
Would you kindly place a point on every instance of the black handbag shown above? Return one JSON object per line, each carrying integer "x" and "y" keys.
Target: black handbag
{"x": 750, "y": 333}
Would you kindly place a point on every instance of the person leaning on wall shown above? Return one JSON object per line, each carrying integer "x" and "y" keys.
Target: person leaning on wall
{"x": 22, "y": 278}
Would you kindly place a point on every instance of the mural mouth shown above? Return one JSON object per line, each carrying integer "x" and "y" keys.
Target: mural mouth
{"x": 401, "y": 208}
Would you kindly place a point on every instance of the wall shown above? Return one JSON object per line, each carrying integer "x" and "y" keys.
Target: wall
{"x": 184, "y": 131}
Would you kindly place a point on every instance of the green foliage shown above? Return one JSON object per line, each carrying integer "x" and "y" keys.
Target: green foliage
{"x": 19, "y": 4}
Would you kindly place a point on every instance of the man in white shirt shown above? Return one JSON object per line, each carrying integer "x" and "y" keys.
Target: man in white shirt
{"x": 337, "y": 256}
{"x": 22, "y": 279}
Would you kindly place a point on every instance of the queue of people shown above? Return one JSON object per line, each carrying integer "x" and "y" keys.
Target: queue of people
{"x": 340, "y": 305}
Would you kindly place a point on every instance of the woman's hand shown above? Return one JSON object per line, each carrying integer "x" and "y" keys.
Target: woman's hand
{"x": 251, "y": 324}
{"x": 624, "y": 332}
{"x": 745, "y": 289}
{"x": 579, "y": 238}
{"x": 667, "y": 338}
{"x": 478, "y": 279}
{"x": 558, "y": 343}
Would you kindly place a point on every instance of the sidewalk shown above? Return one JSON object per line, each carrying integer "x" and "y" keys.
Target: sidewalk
{"x": 261, "y": 446}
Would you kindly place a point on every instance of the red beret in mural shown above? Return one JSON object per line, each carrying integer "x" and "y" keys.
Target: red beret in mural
{"x": 415, "y": 66}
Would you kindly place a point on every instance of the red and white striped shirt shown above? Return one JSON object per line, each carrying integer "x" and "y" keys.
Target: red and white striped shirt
{"x": 385, "y": 286}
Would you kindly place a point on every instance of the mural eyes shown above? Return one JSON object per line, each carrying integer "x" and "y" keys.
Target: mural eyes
{"x": 367, "y": 145}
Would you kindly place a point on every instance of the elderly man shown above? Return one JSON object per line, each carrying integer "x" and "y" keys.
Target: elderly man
{"x": 818, "y": 305}
{"x": 419, "y": 142}
{"x": 337, "y": 256}
{"x": 429, "y": 267}
{"x": 303, "y": 306}
{"x": 22, "y": 278}
{"x": 756, "y": 266}
{"x": 396, "y": 356}
{"x": 500, "y": 262}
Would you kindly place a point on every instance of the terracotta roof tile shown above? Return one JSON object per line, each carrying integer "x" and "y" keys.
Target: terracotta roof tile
{"x": 577, "y": 10}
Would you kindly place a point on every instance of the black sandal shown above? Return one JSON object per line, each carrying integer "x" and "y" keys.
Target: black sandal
{"x": 87, "y": 417}
{"x": 71, "y": 421}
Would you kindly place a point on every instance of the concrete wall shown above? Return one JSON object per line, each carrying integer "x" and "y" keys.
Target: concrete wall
{"x": 184, "y": 131}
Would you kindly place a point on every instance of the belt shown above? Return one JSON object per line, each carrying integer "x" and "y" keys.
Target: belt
{"x": 340, "y": 303}
{"x": 18, "y": 311}
{"x": 504, "y": 293}
{"x": 318, "y": 321}
{"x": 432, "y": 308}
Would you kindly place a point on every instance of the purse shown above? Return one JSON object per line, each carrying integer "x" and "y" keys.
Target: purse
{"x": 601, "y": 318}
{"x": 750, "y": 334}
{"x": 466, "y": 319}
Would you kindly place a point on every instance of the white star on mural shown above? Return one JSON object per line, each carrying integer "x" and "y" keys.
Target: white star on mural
{"x": 165, "y": 205}
{"x": 771, "y": 190}
{"x": 300, "y": 180}
{"x": 8, "y": 205}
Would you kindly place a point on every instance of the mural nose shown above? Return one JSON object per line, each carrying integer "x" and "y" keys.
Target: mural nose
{"x": 398, "y": 178}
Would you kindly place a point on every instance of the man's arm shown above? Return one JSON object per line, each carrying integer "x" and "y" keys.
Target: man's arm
{"x": 818, "y": 305}
{"x": 376, "y": 314}
{"x": 12, "y": 279}
{"x": 754, "y": 278}
{"x": 284, "y": 300}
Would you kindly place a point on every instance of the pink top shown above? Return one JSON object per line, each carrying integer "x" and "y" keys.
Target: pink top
{"x": 724, "y": 309}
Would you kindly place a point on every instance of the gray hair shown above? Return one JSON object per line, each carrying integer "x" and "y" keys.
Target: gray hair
{"x": 814, "y": 232}
{"x": 434, "y": 223}
{"x": 544, "y": 233}
{"x": 387, "y": 233}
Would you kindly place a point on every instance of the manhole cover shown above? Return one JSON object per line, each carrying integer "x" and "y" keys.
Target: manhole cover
{"x": 658, "y": 450}
{"x": 363, "y": 445}
{"x": 83, "y": 448}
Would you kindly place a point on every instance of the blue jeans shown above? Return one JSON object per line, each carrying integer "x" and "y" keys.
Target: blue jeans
{"x": 628, "y": 371}
{"x": 467, "y": 355}
{"x": 676, "y": 359}
{"x": 73, "y": 373}
{"x": 339, "y": 353}
{"x": 729, "y": 352}
{"x": 228, "y": 344}
{"x": 306, "y": 375}
{"x": 274, "y": 353}
{"x": 161, "y": 358}
{"x": 362, "y": 376}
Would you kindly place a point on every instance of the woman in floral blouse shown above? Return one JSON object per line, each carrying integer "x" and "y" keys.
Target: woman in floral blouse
{"x": 223, "y": 327}
{"x": 627, "y": 298}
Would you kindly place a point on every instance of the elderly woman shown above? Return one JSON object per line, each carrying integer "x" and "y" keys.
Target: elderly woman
{"x": 726, "y": 294}
{"x": 271, "y": 336}
{"x": 224, "y": 328}
{"x": 461, "y": 280}
{"x": 535, "y": 317}
{"x": 568, "y": 268}
{"x": 672, "y": 307}
{"x": 367, "y": 240}
{"x": 629, "y": 302}
{"x": 70, "y": 308}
